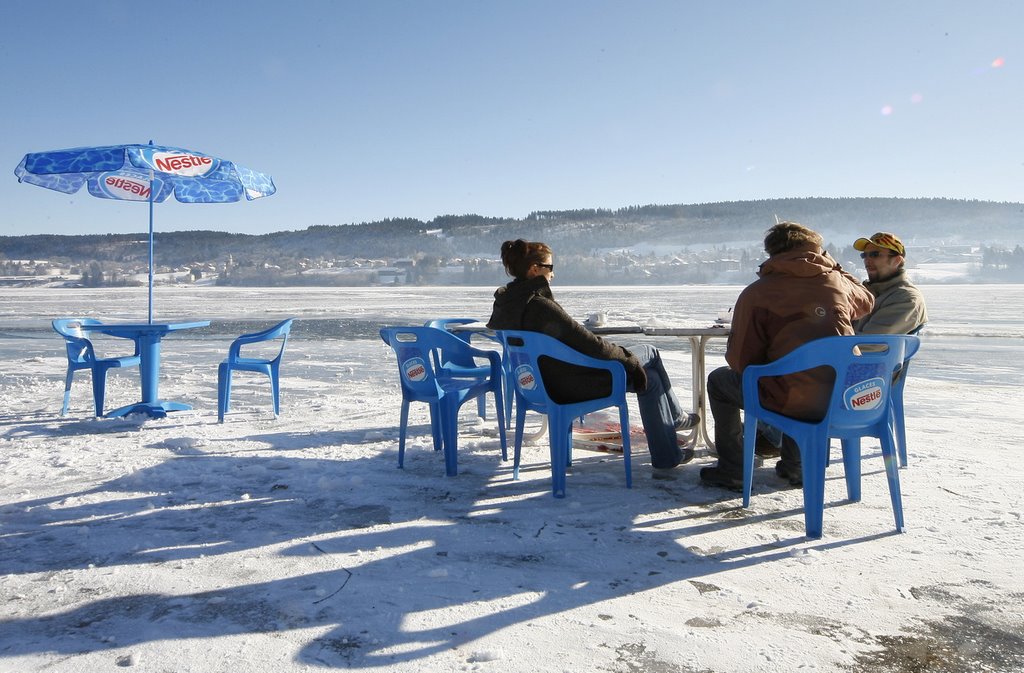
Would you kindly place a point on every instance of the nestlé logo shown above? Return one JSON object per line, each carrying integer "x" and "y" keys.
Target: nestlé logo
{"x": 865, "y": 395}
{"x": 414, "y": 369}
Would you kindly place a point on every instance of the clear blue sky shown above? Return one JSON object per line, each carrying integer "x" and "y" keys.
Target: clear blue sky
{"x": 374, "y": 109}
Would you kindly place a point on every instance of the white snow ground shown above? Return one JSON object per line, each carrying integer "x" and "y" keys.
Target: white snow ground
{"x": 293, "y": 544}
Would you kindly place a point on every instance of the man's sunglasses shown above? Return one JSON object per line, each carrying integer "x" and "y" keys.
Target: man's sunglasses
{"x": 876, "y": 253}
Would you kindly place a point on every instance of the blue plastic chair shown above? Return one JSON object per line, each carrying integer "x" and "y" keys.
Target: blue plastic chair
{"x": 444, "y": 323}
{"x": 82, "y": 355}
{"x": 860, "y": 406}
{"x": 459, "y": 363}
{"x": 524, "y": 350}
{"x": 235, "y": 362}
{"x": 421, "y": 353}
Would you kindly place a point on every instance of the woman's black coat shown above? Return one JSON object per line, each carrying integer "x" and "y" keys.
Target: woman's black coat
{"x": 529, "y": 305}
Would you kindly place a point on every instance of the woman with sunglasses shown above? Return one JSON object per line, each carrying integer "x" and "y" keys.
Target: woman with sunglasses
{"x": 527, "y": 303}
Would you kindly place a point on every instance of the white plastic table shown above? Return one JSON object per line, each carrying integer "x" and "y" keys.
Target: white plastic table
{"x": 699, "y": 337}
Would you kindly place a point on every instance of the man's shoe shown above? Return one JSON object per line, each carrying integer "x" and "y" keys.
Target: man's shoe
{"x": 688, "y": 421}
{"x": 714, "y": 476}
{"x": 791, "y": 473}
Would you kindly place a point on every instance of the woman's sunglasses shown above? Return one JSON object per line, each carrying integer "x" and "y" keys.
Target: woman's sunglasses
{"x": 549, "y": 267}
{"x": 876, "y": 253}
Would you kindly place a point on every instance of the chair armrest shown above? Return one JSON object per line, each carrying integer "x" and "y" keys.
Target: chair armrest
{"x": 134, "y": 339}
{"x": 278, "y": 330}
{"x": 483, "y": 353}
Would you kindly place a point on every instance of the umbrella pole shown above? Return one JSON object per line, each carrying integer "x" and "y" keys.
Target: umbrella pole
{"x": 151, "y": 247}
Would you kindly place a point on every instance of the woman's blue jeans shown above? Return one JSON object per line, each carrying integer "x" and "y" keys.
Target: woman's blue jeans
{"x": 659, "y": 409}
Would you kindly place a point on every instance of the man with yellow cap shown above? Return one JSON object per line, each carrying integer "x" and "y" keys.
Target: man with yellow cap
{"x": 899, "y": 305}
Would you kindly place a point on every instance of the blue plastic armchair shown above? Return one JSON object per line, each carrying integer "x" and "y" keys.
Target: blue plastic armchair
{"x": 82, "y": 355}
{"x": 860, "y": 406}
{"x": 524, "y": 350}
{"x": 457, "y": 362}
{"x": 235, "y": 362}
{"x": 422, "y": 353}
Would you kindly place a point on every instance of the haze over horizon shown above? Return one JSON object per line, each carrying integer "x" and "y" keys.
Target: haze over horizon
{"x": 367, "y": 111}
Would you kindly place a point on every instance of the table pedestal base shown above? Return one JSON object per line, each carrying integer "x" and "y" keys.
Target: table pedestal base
{"x": 155, "y": 409}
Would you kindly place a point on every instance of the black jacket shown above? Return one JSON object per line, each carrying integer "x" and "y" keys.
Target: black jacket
{"x": 529, "y": 305}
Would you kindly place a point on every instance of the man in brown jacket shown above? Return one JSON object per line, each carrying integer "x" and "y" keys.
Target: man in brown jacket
{"x": 801, "y": 294}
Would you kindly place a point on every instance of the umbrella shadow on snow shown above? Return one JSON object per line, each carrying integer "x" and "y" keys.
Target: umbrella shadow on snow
{"x": 19, "y": 419}
{"x": 406, "y": 564}
{"x": 51, "y": 427}
{"x": 314, "y": 439}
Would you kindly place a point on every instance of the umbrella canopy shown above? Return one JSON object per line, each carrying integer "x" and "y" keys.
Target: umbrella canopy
{"x": 147, "y": 173}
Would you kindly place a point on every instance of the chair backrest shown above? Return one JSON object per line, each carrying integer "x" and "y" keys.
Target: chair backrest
{"x": 454, "y": 358}
{"x": 443, "y": 323}
{"x": 76, "y": 337}
{"x": 864, "y": 379}
{"x": 419, "y": 350}
{"x": 278, "y": 331}
{"x": 74, "y": 328}
{"x": 864, "y": 366}
{"x": 900, "y": 379}
{"x": 525, "y": 349}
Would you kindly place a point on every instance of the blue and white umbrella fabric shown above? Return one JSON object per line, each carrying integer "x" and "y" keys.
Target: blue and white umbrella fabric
{"x": 148, "y": 173}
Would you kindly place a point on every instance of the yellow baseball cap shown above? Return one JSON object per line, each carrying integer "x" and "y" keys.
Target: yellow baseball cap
{"x": 883, "y": 240}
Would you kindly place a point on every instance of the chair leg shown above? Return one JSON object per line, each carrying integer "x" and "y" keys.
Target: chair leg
{"x": 403, "y": 425}
{"x": 275, "y": 390}
{"x": 99, "y": 384}
{"x": 813, "y": 461}
{"x": 67, "y": 392}
{"x": 450, "y": 434}
{"x": 892, "y": 475}
{"x": 436, "y": 430}
{"x": 852, "y": 467}
{"x": 624, "y": 425}
{"x": 557, "y": 463}
{"x": 900, "y": 428}
{"x": 749, "y": 440}
{"x": 499, "y": 412}
{"x": 518, "y": 446}
{"x": 223, "y": 391}
{"x": 510, "y": 393}
{"x": 559, "y": 435}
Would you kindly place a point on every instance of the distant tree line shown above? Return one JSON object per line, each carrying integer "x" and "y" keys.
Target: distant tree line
{"x": 1003, "y": 263}
{"x": 587, "y": 233}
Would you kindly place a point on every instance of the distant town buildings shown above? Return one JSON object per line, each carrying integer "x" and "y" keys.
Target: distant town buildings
{"x": 714, "y": 265}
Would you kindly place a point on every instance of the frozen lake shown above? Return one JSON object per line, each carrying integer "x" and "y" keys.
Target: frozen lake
{"x": 986, "y": 321}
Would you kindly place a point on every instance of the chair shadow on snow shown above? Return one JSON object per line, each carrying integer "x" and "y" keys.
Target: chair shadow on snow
{"x": 403, "y": 583}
